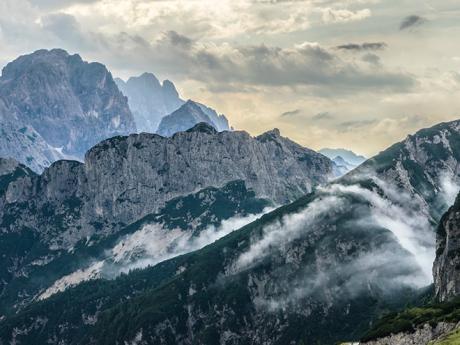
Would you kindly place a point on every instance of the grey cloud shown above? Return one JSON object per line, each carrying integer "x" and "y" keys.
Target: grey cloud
{"x": 178, "y": 40}
{"x": 308, "y": 65}
{"x": 322, "y": 70}
{"x": 54, "y": 4}
{"x": 323, "y": 116}
{"x": 355, "y": 124}
{"x": 363, "y": 46}
{"x": 290, "y": 113}
{"x": 67, "y": 29}
{"x": 411, "y": 21}
{"x": 372, "y": 59}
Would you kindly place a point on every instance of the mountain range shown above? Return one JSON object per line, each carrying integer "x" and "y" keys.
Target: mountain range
{"x": 332, "y": 261}
{"x": 345, "y": 160}
{"x": 54, "y": 105}
{"x": 157, "y": 108}
{"x": 199, "y": 234}
{"x": 125, "y": 179}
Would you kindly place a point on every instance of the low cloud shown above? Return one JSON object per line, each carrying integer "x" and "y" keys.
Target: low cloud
{"x": 384, "y": 240}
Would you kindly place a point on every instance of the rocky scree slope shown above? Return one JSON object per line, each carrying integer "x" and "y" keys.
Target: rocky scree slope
{"x": 318, "y": 270}
{"x": 32, "y": 270}
{"x": 53, "y": 105}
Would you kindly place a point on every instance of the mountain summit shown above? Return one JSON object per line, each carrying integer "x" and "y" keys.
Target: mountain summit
{"x": 189, "y": 115}
{"x": 149, "y": 100}
{"x": 158, "y": 108}
{"x": 63, "y": 102}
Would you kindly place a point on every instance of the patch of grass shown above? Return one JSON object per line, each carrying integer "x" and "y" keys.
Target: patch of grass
{"x": 452, "y": 338}
{"x": 409, "y": 319}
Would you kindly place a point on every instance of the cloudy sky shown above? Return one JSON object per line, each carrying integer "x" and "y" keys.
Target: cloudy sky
{"x": 359, "y": 74}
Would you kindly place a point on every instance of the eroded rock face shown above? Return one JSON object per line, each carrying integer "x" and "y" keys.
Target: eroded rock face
{"x": 55, "y": 105}
{"x": 446, "y": 268}
{"x": 126, "y": 178}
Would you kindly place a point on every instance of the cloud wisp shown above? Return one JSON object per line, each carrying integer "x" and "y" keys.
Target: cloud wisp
{"x": 357, "y": 237}
{"x": 411, "y": 22}
{"x": 364, "y": 46}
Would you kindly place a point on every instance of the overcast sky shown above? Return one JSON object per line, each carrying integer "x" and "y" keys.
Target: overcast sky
{"x": 359, "y": 74}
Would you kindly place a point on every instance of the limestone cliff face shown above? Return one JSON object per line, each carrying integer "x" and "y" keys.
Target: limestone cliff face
{"x": 62, "y": 104}
{"x": 126, "y": 178}
{"x": 446, "y": 268}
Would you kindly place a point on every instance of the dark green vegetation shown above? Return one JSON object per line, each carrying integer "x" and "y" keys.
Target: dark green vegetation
{"x": 162, "y": 294}
{"x": 410, "y": 319}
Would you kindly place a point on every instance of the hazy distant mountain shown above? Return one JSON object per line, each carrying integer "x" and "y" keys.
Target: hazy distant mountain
{"x": 25, "y": 145}
{"x": 149, "y": 100}
{"x": 342, "y": 166}
{"x": 219, "y": 121}
{"x": 347, "y": 155}
{"x": 54, "y": 105}
{"x": 319, "y": 270}
{"x": 189, "y": 115}
{"x": 158, "y": 108}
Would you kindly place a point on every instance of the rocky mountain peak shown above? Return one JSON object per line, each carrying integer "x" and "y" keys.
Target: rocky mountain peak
{"x": 149, "y": 100}
{"x": 274, "y": 133}
{"x": 191, "y": 105}
{"x": 203, "y": 127}
{"x": 146, "y": 79}
{"x": 50, "y": 91}
{"x": 184, "y": 118}
{"x": 170, "y": 89}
